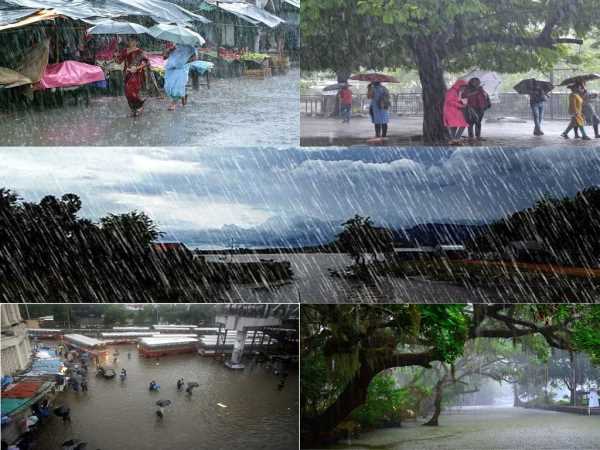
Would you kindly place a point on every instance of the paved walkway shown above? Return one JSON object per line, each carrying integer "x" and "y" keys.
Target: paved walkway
{"x": 318, "y": 131}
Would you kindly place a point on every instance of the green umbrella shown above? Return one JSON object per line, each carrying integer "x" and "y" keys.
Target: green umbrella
{"x": 177, "y": 34}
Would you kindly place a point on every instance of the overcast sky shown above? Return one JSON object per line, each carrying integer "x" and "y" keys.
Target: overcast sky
{"x": 190, "y": 189}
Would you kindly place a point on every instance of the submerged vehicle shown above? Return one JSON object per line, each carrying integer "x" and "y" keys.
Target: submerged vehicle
{"x": 106, "y": 373}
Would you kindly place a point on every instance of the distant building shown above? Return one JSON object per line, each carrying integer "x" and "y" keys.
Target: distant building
{"x": 453, "y": 251}
{"x": 413, "y": 253}
{"x": 15, "y": 345}
{"x": 528, "y": 251}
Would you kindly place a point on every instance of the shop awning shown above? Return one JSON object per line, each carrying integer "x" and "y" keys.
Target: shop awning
{"x": 17, "y": 22}
{"x": 161, "y": 11}
{"x": 248, "y": 11}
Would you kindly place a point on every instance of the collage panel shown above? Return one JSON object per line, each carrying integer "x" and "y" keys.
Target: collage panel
{"x": 142, "y": 376}
{"x": 325, "y": 225}
{"x": 483, "y": 73}
{"x": 453, "y": 376}
{"x": 149, "y": 72}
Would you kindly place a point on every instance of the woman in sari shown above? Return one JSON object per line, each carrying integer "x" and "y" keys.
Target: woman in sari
{"x": 176, "y": 74}
{"x": 134, "y": 62}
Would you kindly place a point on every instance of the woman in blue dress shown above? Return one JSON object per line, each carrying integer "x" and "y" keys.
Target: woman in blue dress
{"x": 176, "y": 73}
{"x": 380, "y": 103}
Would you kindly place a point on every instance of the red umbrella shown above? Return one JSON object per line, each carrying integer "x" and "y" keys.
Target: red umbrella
{"x": 381, "y": 77}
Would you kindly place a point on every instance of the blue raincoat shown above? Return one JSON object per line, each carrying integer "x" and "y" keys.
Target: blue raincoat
{"x": 177, "y": 70}
{"x": 380, "y": 115}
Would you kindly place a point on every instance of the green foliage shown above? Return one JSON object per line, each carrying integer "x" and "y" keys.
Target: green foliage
{"x": 384, "y": 402}
{"x": 445, "y": 327}
{"x": 586, "y": 333}
{"x": 360, "y": 237}
{"x": 115, "y": 314}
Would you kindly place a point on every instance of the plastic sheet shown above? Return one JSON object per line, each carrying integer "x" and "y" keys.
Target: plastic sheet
{"x": 70, "y": 73}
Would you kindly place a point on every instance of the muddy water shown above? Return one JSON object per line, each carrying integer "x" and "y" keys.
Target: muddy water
{"x": 117, "y": 415}
{"x": 489, "y": 428}
{"x": 261, "y": 112}
{"x": 312, "y": 283}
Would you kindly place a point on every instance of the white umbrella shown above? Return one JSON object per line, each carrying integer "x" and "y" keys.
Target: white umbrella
{"x": 114, "y": 27}
{"x": 489, "y": 80}
{"x": 177, "y": 34}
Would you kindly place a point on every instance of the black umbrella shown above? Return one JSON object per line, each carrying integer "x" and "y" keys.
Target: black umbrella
{"x": 579, "y": 78}
{"x": 527, "y": 86}
{"x": 70, "y": 442}
{"x": 162, "y": 403}
{"x": 81, "y": 446}
{"x": 193, "y": 384}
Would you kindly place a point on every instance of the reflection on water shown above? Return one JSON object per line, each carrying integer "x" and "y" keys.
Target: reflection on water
{"x": 313, "y": 283}
{"x": 117, "y": 415}
{"x": 264, "y": 112}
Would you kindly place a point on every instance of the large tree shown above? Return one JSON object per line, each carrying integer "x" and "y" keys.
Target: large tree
{"x": 435, "y": 37}
{"x": 344, "y": 347}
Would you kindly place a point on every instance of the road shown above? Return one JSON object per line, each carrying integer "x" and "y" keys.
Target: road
{"x": 233, "y": 112}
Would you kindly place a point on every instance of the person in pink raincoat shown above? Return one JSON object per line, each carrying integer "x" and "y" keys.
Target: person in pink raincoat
{"x": 454, "y": 118}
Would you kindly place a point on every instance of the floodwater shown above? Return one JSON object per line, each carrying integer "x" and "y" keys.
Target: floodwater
{"x": 261, "y": 112}
{"x": 489, "y": 428}
{"x": 313, "y": 283}
{"x": 117, "y": 415}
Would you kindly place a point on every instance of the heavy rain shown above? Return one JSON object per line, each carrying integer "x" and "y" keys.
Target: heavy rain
{"x": 146, "y": 377}
{"x": 450, "y": 376}
{"x": 315, "y": 226}
{"x": 149, "y": 72}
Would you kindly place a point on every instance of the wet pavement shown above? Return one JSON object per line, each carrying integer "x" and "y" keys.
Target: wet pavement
{"x": 319, "y": 131}
{"x": 233, "y": 110}
{"x": 489, "y": 428}
{"x": 313, "y": 283}
{"x": 115, "y": 415}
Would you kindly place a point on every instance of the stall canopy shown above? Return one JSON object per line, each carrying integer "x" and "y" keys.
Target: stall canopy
{"x": 250, "y": 13}
{"x": 88, "y": 10}
{"x": 70, "y": 73}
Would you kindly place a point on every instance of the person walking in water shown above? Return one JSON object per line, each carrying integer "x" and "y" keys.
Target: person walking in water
{"x": 346, "y": 103}
{"x": 454, "y": 118}
{"x": 380, "y": 104}
{"x": 576, "y": 111}
{"x": 537, "y": 101}
{"x": 589, "y": 112}
{"x": 176, "y": 74}
{"x": 478, "y": 101}
{"x": 134, "y": 63}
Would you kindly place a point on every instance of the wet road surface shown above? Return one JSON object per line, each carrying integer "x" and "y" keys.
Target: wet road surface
{"x": 489, "y": 428}
{"x": 232, "y": 112}
{"x": 117, "y": 415}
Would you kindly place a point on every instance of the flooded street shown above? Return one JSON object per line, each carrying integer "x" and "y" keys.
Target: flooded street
{"x": 261, "y": 112}
{"x": 313, "y": 283}
{"x": 486, "y": 428}
{"x": 117, "y": 415}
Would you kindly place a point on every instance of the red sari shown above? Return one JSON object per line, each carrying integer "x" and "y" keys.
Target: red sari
{"x": 133, "y": 79}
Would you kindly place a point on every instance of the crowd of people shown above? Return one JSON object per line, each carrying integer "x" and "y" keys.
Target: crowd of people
{"x": 465, "y": 104}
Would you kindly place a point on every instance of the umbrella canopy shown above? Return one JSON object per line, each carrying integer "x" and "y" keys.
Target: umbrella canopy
{"x": 527, "y": 86}
{"x": 61, "y": 411}
{"x": 580, "y": 78}
{"x": 193, "y": 384}
{"x": 381, "y": 77}
{"x": 490, "y": 81}
{"x": 80, "y": 446}
{"x": 114, "y": 27}
{"x": 335, "y": 87}
{"x": 177, "y": 34}
{"x": 163, "y": 403}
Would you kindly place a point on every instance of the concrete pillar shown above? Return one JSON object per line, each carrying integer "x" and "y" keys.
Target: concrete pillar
{"x": 238, "y": 351}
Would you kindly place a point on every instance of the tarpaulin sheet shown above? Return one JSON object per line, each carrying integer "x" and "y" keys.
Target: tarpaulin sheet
{"x": 70, "y": 73}
{"x": 159, "y": 10}
{"x": 37, "y": 17}
{"x": 156, "y": 61}
{"x": 23, "y": 389}
{"x": 251, "y": 11}
{"x": 49, "y": 366}
{"x": 12, "y": 16}
{"x": 8, "y": 405}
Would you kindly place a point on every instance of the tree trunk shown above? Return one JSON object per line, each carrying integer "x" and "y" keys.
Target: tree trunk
{"x": 355, "y": 393}
{"x": 431, "y": 74}
{"x": 573, "y": 387}
{"x": 516, "y": 400}
{"x": 439, "y": 393}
